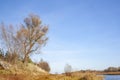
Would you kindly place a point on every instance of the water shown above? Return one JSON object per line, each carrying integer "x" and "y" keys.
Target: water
{"x": 112, "y": 77}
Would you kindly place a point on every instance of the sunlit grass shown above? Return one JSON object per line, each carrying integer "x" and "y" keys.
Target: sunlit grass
{"x": 81, "y": 76}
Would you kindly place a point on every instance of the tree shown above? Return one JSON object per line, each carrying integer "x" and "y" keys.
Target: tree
{"x": 67, "y": 68}
{"x": 8, "y": 38}
{"x": 30, "y": 37}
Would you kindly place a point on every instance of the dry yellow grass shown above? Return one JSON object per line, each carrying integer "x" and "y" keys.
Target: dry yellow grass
{"x": 21, "y": 68}
{"x": 30, "y": 71}
{"x": 50, "y": 77}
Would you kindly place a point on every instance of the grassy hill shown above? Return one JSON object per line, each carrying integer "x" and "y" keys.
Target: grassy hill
{"x": 30, "y": 71}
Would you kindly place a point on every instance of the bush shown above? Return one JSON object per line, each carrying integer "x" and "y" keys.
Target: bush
{"x": 44, "y": 65}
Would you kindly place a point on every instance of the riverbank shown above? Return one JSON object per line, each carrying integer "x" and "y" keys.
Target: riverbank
{"x": 98, "y": 72}
{"x": 108, "y": 73}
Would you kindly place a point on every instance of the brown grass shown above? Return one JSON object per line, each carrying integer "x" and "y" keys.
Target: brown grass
{"x": 11, "y": 77}
{"x": 33, "y": 72}
{"x": 81, "y": 76}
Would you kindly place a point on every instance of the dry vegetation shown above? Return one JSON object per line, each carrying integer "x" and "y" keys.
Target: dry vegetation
{"x": 31, "y": 71}
{"x": 44, "y": 65}
{"x": 83, "y": 76}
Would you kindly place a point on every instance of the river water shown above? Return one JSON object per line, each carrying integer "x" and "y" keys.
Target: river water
{"x": 112, "y": 77}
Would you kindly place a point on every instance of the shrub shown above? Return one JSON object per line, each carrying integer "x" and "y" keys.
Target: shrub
{"x": 11, "y": 57}
{"x": 29, "y": 60}
{"x": 44, "y": 65}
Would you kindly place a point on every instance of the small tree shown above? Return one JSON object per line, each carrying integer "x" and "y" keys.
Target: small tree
{"x": 7, "y": 34}
{"x": 67, "y": 68}
{"x": 44, "y": 65}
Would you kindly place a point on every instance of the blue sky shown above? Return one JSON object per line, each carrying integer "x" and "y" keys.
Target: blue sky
{"x": 82, "y": 33}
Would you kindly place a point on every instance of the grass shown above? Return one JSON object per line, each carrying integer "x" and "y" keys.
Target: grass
{"x": 30, "y": 71}
{"x": 81, "y": 76}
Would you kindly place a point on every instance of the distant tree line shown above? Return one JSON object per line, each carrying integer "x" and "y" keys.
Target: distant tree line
{"x": 112, "y": 69}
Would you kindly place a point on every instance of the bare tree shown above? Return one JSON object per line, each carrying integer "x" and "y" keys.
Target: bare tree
{"x": 28, "y": 39}
{"x": 31, "y": 36}
{"x": 68, "y": 70}
{"x": 8, "y": 38}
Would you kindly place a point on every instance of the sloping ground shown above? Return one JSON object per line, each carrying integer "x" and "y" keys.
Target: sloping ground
{"x": 30, "y": 71}
{"x": 4, "y": 65}
{"x": 27, "y": 69}
{"x": 20, "y": 68}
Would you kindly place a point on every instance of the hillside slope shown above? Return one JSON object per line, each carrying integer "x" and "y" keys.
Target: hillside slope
{"x": 20, "y": 68}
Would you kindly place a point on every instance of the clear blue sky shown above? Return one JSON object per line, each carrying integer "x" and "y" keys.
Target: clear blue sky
{"x": 82, "y": 33}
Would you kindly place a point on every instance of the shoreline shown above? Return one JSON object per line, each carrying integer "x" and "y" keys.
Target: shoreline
{"x": 99, "y": 72}
{"x": 108, "y": 73}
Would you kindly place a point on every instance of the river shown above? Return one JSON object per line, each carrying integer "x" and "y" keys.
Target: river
{"x": 112, "y": 77}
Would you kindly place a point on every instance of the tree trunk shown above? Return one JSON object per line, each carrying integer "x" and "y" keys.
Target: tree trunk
{"x": 25, "y": 59}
